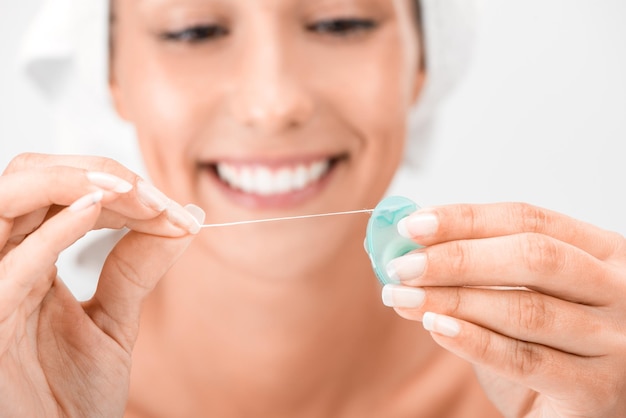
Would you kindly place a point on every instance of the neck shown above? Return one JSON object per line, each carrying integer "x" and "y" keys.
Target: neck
{"x": 302, "y": 343}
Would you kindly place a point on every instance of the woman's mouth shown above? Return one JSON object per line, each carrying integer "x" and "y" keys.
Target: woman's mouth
{"x": 273, "y": 184}
{"x": 267, "y": 181}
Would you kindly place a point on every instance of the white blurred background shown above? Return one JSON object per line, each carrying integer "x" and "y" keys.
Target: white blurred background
{"x": 540, "y": 118}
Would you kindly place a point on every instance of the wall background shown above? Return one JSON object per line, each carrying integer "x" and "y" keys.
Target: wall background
{"x": 540, "y": 118}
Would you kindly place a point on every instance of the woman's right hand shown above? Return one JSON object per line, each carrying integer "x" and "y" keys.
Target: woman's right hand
{"x": 60, "y": 357}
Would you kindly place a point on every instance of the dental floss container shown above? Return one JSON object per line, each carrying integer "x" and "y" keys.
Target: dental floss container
{"x": 383, "y": 243}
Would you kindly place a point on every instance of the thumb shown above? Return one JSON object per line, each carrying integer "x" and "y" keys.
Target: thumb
{"x": 130, "y": 273}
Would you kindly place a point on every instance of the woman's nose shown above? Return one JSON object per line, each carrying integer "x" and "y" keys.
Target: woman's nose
{"x": 269, "y": 94}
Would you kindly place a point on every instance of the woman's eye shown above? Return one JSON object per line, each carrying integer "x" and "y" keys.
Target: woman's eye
{"x": 342, "y": 27}
{"x": 196, "y": 34}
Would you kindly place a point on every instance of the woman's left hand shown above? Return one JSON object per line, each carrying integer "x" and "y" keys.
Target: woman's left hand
{"x": 534, "y": 299}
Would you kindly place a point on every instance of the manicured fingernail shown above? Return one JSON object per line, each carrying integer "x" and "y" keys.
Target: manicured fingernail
{"x": 441, "y": 324}
{"x": 407, "y": 267}
{"x": 182, "y": 218}
{"x": 198, "y": 215}
{"x": 396, "y": 296}
{"x": 418, "y": 225}
{"x": 151, "y": 196}
{"x": 109, "y": 182}
{"x": 86, "y": 201}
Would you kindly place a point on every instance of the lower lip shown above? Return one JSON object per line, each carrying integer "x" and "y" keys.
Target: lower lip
{"x": 278, "y": 201}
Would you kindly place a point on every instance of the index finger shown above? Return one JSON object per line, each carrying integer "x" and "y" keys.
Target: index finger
{"x": 143, "y": 201}
{"x": 26, "y": 198}
{"x": 28, "y": 161}
{"x": 466, "y": 221}
{"x": 26, "y": 191}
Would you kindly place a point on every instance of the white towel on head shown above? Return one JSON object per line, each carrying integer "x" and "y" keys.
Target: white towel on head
{"x": 450, "y": 30}
{"x": 65, "y": 53}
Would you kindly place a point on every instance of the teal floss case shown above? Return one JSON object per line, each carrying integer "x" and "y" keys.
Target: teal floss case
{"x": 383, "y": 243}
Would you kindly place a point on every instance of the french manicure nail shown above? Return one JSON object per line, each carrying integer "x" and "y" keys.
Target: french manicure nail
{"x": 397, "y": 296}
{"x": 109, "y": 182}
{"x": 441, "y": 324}
{"x": 86, "y": 201}
{"x": 182, "y": 218}
{"x": 151, "y": 196}
{"x": 407, "y": 267}
{"x": 418, "y": 225}
{"x": 198, "y": 214}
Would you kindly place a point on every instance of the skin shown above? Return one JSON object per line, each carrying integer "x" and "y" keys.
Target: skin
{"x": 60, "y": 357}
{"x": 286, "y": 319}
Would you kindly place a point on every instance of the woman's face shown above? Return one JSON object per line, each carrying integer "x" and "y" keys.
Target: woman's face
{"x": 267, "y": 108}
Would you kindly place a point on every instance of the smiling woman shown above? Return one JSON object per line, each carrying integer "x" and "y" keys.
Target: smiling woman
{"x": 262, "y": 109}
{"x": 249, "y": 122}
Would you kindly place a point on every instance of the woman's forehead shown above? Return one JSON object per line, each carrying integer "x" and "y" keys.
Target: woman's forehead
{"x": 266, "y": 4}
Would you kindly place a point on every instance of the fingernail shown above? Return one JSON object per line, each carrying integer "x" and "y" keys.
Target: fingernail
{"x": 418, "y": 225}
{"x": 407, "y": 267}
{"x": 441, "y": 324}
{"x": 109, "y": 182}
{"x": 151, "y": 196}
{"x": 86, "y": 201}
{"x": 396, "y": 296}
{"x": 198, "y": 215}
{"x": 182, "y": 218}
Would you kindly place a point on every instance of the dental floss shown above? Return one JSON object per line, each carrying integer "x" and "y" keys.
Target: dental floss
{"x": 383, "y": 242}
{"x": 287, "y": 218}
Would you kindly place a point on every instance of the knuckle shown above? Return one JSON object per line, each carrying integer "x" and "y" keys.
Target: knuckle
{"x": 541, "y": 254}
{"x": 484, "y": 347}
{"x": 531, "y": 312}
{"x": 454, "y": 301}
{"x": 471, "y": 218}
{"x": 530, "y": 218}
{"x": 126, "y": 271}
{"x": 527, "y": 359}
{"x": 22, "y": 161}
{"x": 457, "y": 257}
{"x": 109, "y": 165}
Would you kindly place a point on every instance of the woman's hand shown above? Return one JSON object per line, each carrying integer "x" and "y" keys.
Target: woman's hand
{"x": 534, "y": 299}
{"x": 60, "y": 357}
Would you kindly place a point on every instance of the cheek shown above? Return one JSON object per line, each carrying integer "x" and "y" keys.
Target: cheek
{"x": 157, "y": 111}
{"x": 376, "y": 90}
{"x": 377, "y": 105}
{"x": 167, "y": 110}
{"x": 164, "y": 105}
{"x": 158, "y": 95}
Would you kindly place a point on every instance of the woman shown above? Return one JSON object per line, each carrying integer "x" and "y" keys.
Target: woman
{"x": 285, "y": 107}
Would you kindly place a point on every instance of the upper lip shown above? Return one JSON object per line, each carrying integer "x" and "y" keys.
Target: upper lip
{"x": 272, "y": 161}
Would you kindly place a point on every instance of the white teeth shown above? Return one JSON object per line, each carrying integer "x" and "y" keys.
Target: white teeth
{"x": 265, "y": 181}
{"x": 246, "y": 180}
{"x": 283, "y": 180}
{"x": 300, "y": 178}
